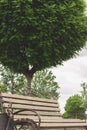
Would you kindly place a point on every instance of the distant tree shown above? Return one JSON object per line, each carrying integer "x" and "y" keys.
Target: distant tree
{"x": 84, "y": 97}
{"x": 43, "y": 84}
{"x": 10, "y": 82}
{"x": 39, "y": 34}
{"x": 84, "y": 94}
{"x": 3, "y": 88}
{"x": 74, "y": 108}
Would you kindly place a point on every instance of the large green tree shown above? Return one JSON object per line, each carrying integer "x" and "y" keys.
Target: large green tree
{"x": 74, "y": 108}
{"x": 38, "y": 34}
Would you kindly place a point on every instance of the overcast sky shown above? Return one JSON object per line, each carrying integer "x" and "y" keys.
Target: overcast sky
{"x": 70, "y": 76}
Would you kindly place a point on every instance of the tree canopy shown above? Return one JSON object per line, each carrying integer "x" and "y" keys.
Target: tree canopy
{"x": 36, "y": 34}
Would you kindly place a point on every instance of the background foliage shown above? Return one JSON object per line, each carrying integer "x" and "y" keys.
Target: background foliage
{"x": 43, "y": 84}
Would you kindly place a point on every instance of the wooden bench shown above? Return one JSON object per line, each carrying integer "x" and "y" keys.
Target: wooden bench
{"x": 38, "y": 113}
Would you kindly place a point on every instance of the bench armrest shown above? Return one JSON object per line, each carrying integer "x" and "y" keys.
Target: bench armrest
{"x": 36, "y": 114}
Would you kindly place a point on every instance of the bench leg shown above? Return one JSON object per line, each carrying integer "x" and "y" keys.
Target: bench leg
{"x": 4, "y": 122}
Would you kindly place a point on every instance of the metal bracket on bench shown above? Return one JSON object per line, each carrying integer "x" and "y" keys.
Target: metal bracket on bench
{"x": 11, "y": 117}
{"x": 29, "y": 120}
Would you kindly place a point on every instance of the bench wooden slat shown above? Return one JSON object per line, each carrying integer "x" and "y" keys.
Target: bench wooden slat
{"x": 43, "y": 118}
{"x": 60, "y": 120}
{"x": 15, "y": 96}
{"x": 52, "y": 129}
{"x": 27, "y": 102}
{"x": 19, "y": 106}
{"x": 63, "y": 128}
{"x": 51, "y": 119}
{"x": 63, "y": 125}
{"x": 41, "y": 113}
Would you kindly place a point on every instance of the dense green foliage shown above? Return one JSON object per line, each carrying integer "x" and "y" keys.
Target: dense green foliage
{"x": 74, "y": 108}
{"x": 43, "y": 84}
{"x": 39, "y": 34}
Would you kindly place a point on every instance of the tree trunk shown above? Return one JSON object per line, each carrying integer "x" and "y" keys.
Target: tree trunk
{"x": 29, "y": 77}
{"x": 76, "y": 115}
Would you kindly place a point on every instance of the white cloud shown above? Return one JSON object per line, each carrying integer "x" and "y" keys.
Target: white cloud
{"x": 70, "y": 76}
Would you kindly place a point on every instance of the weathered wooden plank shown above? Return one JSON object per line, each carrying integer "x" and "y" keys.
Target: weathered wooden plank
{"x": 28, "y": 102}
{"x": 52, "y": 129}
{"x": 75, "y": 128}
{"x": 49, "y": 119}
{"x": 61, "y": 120}
{"x": 63, "y": 125}
{"x": 27, "y": 98}
{"x": 41, "y": 113}
{"x": 43, "y": 118}
{"x": 19, "y": 106}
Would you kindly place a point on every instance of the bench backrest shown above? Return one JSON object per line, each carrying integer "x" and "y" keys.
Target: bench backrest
{"x": 46, "y": 108}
